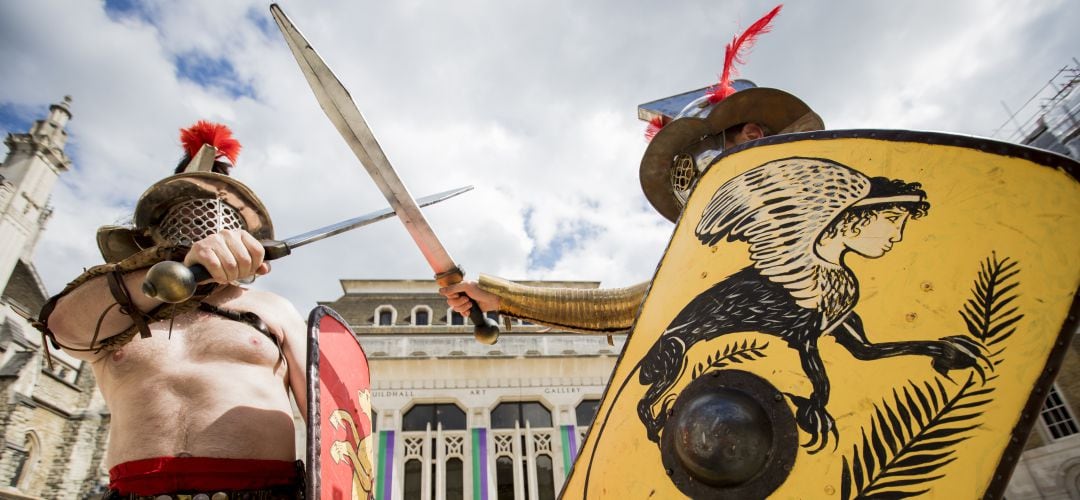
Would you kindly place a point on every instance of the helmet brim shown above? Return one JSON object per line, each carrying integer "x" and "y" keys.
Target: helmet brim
{"x": 777, "y": 110}
{"x": 119, "y": 242}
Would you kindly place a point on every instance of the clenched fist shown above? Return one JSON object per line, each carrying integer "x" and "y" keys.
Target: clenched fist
{"x": 229, "y": 255}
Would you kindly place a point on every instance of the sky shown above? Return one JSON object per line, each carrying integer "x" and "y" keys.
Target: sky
{"x": 533, "y": 103}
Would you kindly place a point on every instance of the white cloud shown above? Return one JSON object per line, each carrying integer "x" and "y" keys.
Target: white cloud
{"x": 534, "y": 103}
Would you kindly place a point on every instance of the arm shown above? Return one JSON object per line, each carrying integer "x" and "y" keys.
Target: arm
{"x": 88, "y": 311}
{"x": 97, "y": 305}
{"x": 587, "y": 310}
{"x": 294, "y": 345}
{"x": 949, "y": 353}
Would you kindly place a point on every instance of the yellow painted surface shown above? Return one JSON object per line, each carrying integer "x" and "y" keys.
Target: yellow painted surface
{"x": 981, "y": 205}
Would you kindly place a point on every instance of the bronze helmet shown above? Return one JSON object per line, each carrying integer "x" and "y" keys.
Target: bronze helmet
{"x": 688, "y": 143}
{"x": 194, "y": 203}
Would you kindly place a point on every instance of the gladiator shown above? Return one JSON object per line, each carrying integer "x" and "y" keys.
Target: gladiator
{"x": 199, "y": 391}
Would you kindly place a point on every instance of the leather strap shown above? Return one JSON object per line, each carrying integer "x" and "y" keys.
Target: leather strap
{"x": 123, "y": 298}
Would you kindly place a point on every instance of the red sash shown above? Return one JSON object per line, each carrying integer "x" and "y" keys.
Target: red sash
{"x": 170, "y": 474}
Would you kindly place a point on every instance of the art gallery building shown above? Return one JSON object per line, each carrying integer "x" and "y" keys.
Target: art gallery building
{"x": 458, "y": 419}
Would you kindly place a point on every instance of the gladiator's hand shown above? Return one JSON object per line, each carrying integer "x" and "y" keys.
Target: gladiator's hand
{"x": 813, "y": 418}
{"x": 228, "y": 256}
{"x": 457, "y": 297}
{"x": 959, "y": 352}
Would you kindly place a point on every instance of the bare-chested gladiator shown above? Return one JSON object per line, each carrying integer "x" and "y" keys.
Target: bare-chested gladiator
{"x": 198, "y": 391}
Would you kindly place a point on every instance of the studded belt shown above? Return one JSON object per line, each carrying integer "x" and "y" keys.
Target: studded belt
{"x": 276, "y": 493}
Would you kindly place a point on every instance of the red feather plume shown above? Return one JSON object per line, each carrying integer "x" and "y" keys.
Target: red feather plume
{"x": 735, "y": 51}
{"x": 214, "y": 134}
{"x": 655, "y": 124}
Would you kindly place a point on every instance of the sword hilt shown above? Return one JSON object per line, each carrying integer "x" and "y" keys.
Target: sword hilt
{"x": 485, "y": 329}
{"x": 173, "y": 282}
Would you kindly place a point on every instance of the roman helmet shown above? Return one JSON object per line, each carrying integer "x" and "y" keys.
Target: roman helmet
{"x": 686, "y": 130}
{"x": 201, "y": 199}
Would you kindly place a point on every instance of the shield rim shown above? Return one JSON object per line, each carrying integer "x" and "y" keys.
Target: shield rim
{"x": 312, "y": 487}
{"x": 1030, "y": 412}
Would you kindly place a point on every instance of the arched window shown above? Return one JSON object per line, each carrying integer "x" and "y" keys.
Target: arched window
{"x": 420, "y": 416}
{"x": 421, "y": 316}
{"x": 586, "y": 412}
{"x": 455, "y": 479}
{"x": 25, "y": 461}
{"x": 545, "y": 477}
{"x": 413, "y": 479}
{"x": 385, "y": 315}
{"x": 455, "y": 318}
{"x": 504, "y": 478}
{"x": 505, "y": 415}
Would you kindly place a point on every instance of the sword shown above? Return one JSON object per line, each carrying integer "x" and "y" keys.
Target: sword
{"x": 343, "y": 113}
{"x": 174, "y": 282}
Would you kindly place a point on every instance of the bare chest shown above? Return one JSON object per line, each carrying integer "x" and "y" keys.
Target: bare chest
{"x": 196, "y": 338}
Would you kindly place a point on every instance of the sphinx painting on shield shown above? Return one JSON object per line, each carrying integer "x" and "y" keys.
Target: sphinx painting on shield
{"x": 802, "y": 218}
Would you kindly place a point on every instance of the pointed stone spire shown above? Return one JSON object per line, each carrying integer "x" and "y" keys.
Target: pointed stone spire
{"x": 34, "y": 162}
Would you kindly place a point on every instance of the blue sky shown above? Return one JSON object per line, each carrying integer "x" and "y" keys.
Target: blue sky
{"x": 533, "y": 103}
{"x": 206, "y": 70}
{"x": 212, "y": 73}
{"x": 16, "y": 118}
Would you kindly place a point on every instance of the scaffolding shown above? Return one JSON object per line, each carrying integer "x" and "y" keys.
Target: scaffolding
{"x": 1049, "y": 119}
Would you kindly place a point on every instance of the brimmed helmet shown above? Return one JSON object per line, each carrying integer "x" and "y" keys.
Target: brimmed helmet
{"x": 192, "y": 204}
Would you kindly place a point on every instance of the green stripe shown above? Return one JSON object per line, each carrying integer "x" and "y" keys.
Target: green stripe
{"x": 567, "y": 461}
{"x": 477, "y": 485}
{"x": 379, "y": 486}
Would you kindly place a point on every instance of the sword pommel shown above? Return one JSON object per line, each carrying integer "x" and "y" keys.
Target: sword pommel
{"x": 485, "y": 329}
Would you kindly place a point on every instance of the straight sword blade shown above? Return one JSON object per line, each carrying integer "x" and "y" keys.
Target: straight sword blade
{"x": 356, "y": 222}
{"x": 346, "y": 117}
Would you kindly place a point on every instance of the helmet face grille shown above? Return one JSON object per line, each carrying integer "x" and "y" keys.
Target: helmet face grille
{"x": 682, "y": 176}
{"x": 193, "y": 220}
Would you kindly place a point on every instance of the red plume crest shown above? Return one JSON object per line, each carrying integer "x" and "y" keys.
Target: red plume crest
{"x": 655, "y": 124}
{"x": 214, "y": 134}
{"x": 734, "y": 53}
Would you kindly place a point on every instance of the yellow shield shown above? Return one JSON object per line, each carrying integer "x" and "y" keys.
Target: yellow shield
{"x": 846, "y": 315}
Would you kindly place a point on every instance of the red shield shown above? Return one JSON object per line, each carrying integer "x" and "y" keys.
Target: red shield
{"x": 339, "y": 454}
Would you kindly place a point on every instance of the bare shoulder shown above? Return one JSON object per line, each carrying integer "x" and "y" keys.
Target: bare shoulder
{"x": 273, "y": 307}
{"x": 267, "y": 299}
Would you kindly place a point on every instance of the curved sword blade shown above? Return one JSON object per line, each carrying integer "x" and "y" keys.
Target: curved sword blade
{"x": 343, "y": 113}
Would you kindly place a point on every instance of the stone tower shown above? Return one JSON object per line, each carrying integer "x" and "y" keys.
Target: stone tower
{"x": 35, "y": 160}
{"x": 53, "y": 421}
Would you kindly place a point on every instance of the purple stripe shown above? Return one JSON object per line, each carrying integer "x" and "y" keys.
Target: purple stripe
{"x": 572, "y": 434}
{"x": 483, "y": 465}
{"x": 388, "y": 459}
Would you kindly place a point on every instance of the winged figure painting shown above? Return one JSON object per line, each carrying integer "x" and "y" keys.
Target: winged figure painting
{"x": 801, "y": 217}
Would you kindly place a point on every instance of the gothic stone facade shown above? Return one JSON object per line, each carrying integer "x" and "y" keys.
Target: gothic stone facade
{"x": 53, "y": 420}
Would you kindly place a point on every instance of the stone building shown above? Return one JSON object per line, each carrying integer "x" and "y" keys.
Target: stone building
{"x": 458, "y": 419}
{"x": 53, "y": 421}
